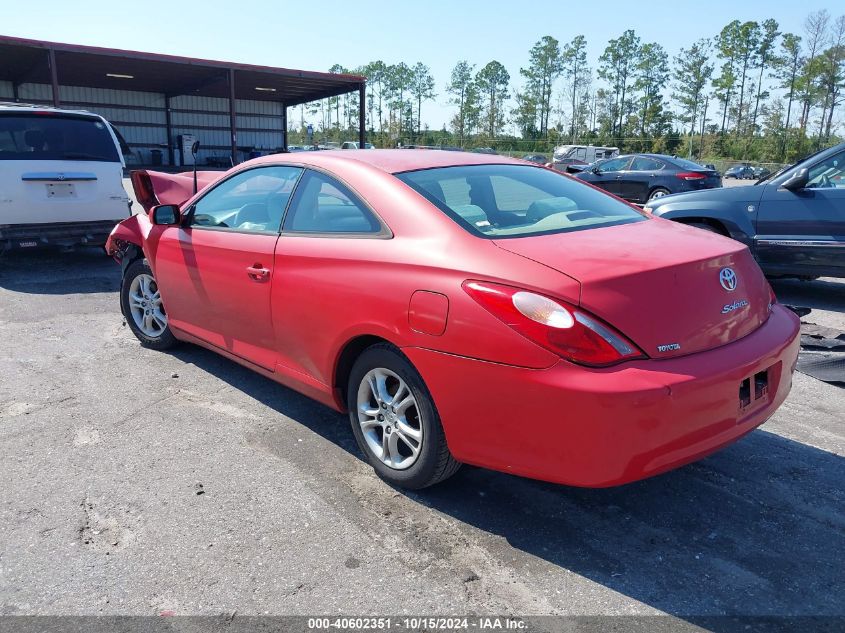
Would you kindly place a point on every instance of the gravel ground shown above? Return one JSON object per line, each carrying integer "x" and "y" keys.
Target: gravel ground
{"x": 137, "y": 482}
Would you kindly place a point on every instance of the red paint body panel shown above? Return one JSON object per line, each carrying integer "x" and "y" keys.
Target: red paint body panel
{"x": 603, "y": 427}
{"x": 658, "y": 282}
{"x": 428, "y": 312}
{"x": 211, "y": 294}
{"x": 505, "y": 402}
{"x": 171, "y": 188}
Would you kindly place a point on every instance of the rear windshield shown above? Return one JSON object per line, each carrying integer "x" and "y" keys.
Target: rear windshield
{"x": 51, "y": 136}
{"x": 687, "y": 164}
{"x": 501, "y": 201}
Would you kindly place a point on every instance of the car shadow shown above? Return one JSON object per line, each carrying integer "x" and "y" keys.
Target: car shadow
{"x": 756, "y": 529}
{"x": 822, "y": 294}
{"x": 53, "y": 272}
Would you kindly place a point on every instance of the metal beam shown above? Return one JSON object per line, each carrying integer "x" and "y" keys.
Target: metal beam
{"x": 295, "y": 101}
{"x": 362, "y": 115}
{"x": 284, "y": 127}
{"x": 232, "y": 117}
{"x": 54, "y": 76}
{"x": 169, "y": 130}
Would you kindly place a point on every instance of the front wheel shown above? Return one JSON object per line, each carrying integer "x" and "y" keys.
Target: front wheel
{"x": 395, "y": 422}
{"x": 140, "y": 300}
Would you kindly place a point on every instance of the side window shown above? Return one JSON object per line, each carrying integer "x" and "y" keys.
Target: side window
{"x": 253, "y": 200}
{"x": 641, "y": 163}
{"x": 617, "y": 164}
{"x": 828, "y": 173}
{"x": 324, "y": 205}
{"x": 581, "y": 154}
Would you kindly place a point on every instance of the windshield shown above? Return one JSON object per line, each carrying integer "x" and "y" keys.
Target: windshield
{"x": 501, "y": 201}
{"x": 788, "y": 167}
{"x": 53, "y": 136}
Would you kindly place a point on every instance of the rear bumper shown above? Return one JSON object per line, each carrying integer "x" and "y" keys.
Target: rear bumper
{"x": 604, "y": 427}
{"x": 15, "y": 236}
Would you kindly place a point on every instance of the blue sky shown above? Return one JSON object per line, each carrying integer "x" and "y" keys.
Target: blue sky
{"x": 316, "y": 35}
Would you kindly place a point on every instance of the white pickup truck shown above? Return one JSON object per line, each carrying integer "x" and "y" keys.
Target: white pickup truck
{"x": 61, "y": 178}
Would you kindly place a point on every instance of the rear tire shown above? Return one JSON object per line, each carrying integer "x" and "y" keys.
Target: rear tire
{"x": 141, "y": 304}
{"x": 658, "y": 192}
{"x": 395, "y": 422}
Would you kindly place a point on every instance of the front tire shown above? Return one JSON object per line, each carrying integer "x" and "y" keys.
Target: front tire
{"x": 140, "y": 301}
{"x": 395, "y": 422}
{"x": 705, "y": 227}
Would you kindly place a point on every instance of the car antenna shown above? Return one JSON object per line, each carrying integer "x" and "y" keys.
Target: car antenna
{"x": 195, "y": 147}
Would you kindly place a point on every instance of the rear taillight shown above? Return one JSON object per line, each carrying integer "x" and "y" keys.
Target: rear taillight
{"x": 690, "y": 175}
{"x": 561, "y": 328}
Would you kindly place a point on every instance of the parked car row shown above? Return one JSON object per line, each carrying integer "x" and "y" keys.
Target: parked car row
{"x": 639, "y": 178}
{"x": 747, "y": 172}
{"x": 469, "y": 283}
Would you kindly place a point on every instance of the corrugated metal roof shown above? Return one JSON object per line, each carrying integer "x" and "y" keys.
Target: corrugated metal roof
{"x": 26, "y": 61}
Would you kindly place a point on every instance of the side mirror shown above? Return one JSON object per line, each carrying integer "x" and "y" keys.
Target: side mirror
{"x": 798, "y": 180}
{"x": 165, "y": 215}
{"x": 596, "y": 171}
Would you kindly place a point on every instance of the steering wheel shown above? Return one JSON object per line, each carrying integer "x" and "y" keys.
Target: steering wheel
{"x": 825, "y": 183}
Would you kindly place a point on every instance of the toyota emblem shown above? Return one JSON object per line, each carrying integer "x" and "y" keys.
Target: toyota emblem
{"x": 727, "y": 277}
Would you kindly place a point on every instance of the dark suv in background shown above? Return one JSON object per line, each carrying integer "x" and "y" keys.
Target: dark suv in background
{"x": 793, "y": 221}
{"x": 642, "y": 177}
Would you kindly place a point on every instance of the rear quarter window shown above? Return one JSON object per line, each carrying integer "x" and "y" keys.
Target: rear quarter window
{"x": 52, "y": 136}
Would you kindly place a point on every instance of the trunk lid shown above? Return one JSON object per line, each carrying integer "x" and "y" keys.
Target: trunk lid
{"x": 660, "y": 283}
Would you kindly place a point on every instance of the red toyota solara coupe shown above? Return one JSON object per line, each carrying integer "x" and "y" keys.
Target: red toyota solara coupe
{"x": 464, "y": 308}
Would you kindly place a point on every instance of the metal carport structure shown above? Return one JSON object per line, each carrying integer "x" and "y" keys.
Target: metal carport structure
{"x": 67, "y": 74}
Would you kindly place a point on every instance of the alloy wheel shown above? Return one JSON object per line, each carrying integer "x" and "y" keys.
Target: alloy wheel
{"x": 389, "y": 418}
{"x": 146, "y": 307}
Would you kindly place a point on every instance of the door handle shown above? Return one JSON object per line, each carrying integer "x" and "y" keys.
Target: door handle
{"x": 257, "y": 272}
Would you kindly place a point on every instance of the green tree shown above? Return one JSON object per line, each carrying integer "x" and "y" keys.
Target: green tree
{"x": 832, "y": 78}
{"x": 525, "y": 115}
{"x": 544, "y": 66}
{"x": 464, "y": 95}
{"x": 693, "y": 71}
{"x": 616, "y": 67}
{"x": 815, "y": 28}
{"x": 335, "y": 102}
{"x": 376, "y": 74}
{"x": 492, "y": 82}
{"x": 746, "y": 43}
{"x": 765, "y": 53}
{"x": 650, "y": 75}
{"x": 726, "y": 50}
{"x": 398, "y": 81}
{"x": 577, "y": 74}
{"x": 421, "y": 88}
{"x": 786, "y": 68}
